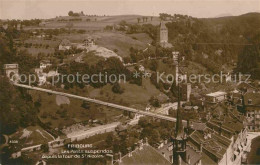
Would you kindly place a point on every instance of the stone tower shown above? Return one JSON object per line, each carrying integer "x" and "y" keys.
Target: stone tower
{"x": 163, "y": 33}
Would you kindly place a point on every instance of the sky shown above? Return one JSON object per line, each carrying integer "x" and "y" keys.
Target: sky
{"x": 30, "y": 9}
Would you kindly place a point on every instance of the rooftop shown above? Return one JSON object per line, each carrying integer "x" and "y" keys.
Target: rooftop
{"x": 216, "y": 144}
{"x": 215, "y": 94}
{"x": 163, "y": 27}
{"x": 148, "y": 155}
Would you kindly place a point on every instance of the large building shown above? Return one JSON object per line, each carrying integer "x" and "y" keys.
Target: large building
{"x": 216, "y": 97}
{"x": 248, "y": 104}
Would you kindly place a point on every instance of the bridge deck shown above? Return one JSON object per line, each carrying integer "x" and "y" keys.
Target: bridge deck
{"x": 102, "y": 103}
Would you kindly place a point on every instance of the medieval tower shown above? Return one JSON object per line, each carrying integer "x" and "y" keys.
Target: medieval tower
{"x": 163, "y": 33}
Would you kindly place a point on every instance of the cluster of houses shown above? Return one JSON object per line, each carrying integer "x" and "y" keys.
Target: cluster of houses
{"x": 218, "y": 141}
{"x": 65, "y": 44}
{"x": 42, "y": 75}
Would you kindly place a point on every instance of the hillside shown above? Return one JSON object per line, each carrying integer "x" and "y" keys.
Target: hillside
{"x": 93, "y": 22}
{"x": 214, "y": 42}
{"x": 115, "y": 41}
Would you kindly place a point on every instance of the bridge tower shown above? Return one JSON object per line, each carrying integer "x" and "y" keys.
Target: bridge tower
{"x": 11, "y": 71}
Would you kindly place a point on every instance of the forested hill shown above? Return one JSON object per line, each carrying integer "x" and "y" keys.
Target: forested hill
{"x": 218, "y": 43}
{"x": 246, "y": 24}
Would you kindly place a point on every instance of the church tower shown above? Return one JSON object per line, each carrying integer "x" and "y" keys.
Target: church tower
{"x": 179, "y": 138}
{"x": 163, "y": 33}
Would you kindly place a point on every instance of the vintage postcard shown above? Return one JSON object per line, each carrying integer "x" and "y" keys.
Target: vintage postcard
{"x": 129, "y": 82}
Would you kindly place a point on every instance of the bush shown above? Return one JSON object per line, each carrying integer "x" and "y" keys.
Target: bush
{"x": 117, "y": 89}
{"x": 154, "y": 102}
{"x": 45, "y": 147}
{"x": 85, "y": 105}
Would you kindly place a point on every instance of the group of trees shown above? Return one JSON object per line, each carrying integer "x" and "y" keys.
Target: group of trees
{"x": 195, "y": 37}
{"x": 71, "y": 13}
{"x": 17, "y": 108}
{"x": 111, "y": 66}
{"x": 145, "y": 19}
{"x": 153, "y": 130}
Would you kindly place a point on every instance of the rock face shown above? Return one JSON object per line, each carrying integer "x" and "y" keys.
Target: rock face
{"x": 62, "y": 100}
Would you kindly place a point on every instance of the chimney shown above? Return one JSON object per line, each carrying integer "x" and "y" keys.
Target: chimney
{"x": 180, "y": 160}
{"x": 188, "y": 126}
{"x": 201, "y": 147}
{"x": 146, "y": 141}
{"x": 209, "y": 135}
{"x": 188, "y": 159}
{"x": 129, "y": 152}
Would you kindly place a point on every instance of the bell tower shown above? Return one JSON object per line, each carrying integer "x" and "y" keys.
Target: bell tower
{"x": 163, "y": 33}
{"x": 179, "y": 138}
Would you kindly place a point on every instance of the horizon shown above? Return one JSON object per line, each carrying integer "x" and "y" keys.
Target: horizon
{"x": 36, "y": 9}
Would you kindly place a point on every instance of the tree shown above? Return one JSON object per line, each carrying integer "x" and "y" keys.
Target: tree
{"x": 117, "y": 89}
{"x": 85, "y": 105}
{"x": 248, "y": 59}
{"x": 153, "y": 65}
{"x": 70, "y": 13}
{"x": 45, "y": 147}
{"x": 138, "y": 20}
{"x": 127, "y": 60}
{"x": 154, "y": 102}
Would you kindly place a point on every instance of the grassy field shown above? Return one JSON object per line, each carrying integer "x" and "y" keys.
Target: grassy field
{"x": 65, "y": 115}
{"x": 36, "y": 51}
{"x": 112, "y": 40}
{"x": 39, "y": 46}
{"x": 95, "y": 23}
{"x": 134, "y": 96}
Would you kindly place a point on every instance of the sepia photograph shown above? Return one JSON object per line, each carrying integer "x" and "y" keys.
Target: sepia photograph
{"x": 129, "y": 82}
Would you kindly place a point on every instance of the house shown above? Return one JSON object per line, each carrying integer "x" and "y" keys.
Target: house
{"x": 89, "y": 41}
{"x": 65, "y": 45}
{"x": 216, "y": 97}
{"x": 44, "y": 64}
{"x": 246, "y": 87}
{"x": 221, "y": 142}
{"x": 42, "y": 79}
{"x": 148, "y": 108}
{"x": 249, "y": 105}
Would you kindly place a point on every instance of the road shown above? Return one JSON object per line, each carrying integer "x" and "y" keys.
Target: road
{"x": 95, "y": 130}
